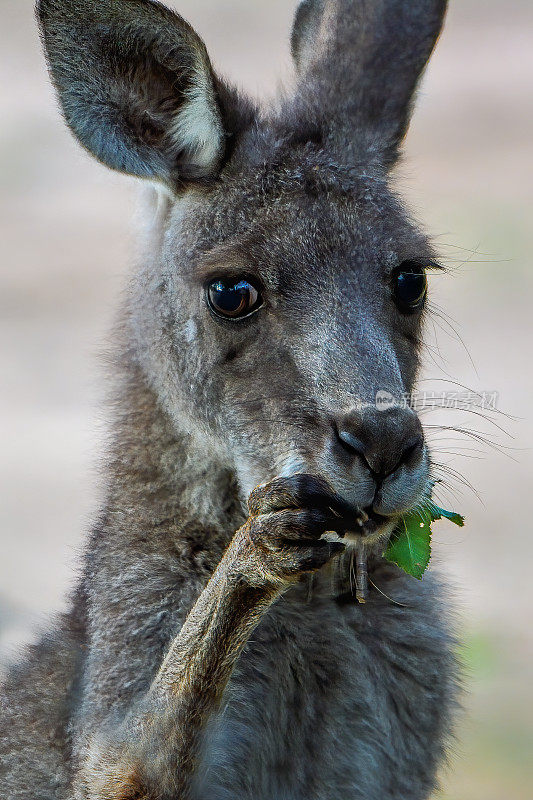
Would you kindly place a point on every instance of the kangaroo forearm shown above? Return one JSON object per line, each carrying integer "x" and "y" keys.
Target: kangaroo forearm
{"x": 154, "y": 752}
{"x": 191, "y": 682}
{"x": 201, "y": 658}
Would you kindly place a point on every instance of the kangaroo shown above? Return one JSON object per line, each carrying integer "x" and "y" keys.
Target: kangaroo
{"x": 214, "y": 648}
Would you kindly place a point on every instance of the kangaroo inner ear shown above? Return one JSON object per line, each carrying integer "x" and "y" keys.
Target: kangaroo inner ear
{"x": 136, "y": 87}
{"x": 305, "y": 32}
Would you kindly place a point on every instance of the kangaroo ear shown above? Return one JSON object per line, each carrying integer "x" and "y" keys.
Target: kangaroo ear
{"x": 305, "y": 32}
{"x": 136, "y": 87}
{"x": 359, "y": 64}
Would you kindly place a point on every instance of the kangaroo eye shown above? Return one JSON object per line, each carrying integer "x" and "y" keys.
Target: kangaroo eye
{"x": 233, "y": 300}
{"x": 410, "y": 286}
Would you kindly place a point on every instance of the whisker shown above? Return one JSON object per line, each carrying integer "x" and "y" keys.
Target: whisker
{"x": 437, "y": 314}
{"x": 390, "y": 599}
{"x": 476, "y": 413}
{"x": 445, "y": 469}
{"x": 476, "y": 435}
{"x": 472, "y": 391}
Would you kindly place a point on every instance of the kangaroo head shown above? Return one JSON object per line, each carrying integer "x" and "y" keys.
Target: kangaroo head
{"x": 285, "y": 285}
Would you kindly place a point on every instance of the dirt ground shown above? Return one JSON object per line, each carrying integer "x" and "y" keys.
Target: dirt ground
{"x": 66, "y": 240}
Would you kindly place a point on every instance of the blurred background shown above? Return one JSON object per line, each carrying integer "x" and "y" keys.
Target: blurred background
{"x": 67, "y": 237}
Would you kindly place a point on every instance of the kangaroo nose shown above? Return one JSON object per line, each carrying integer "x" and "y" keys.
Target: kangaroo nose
{"x": 383, "y": 439}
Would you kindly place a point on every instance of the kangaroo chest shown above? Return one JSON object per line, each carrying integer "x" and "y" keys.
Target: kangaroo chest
{"x": 322, "y": 704}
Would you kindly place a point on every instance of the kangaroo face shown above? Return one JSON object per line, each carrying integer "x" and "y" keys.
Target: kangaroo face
{"x": 285, "y": 286}
{"x": 282, "y": 313}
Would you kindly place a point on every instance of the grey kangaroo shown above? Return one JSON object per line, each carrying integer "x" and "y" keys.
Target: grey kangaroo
{"x": 214, "y": 648}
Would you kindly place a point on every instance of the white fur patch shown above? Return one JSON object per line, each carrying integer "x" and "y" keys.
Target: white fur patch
{"x": 190, "y": 330}
{"x": 292, "y": 465}
{"x": 197, "y": 126}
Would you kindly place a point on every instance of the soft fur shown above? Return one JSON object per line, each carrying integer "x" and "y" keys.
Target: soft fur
{"x": 213, "y": 652}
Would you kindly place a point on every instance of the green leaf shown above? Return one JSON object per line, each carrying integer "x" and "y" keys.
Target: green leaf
{"x": 410, "y": 543}
{"x": 438, "y": 513}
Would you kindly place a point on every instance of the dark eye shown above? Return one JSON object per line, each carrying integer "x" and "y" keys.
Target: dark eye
{"x": 233, "y": 300}
{"x": 410, "y": 286}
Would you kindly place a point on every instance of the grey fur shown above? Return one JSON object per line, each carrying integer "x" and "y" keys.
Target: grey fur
{"x": 197, "y": 662}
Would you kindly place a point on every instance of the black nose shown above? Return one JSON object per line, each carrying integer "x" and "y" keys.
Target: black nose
{"x": 383, "y": 439}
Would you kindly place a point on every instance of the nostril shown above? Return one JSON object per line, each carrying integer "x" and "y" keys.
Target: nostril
{"x": 351, "y": 442}
{"x": 412, "y": 450}
{"x": 409, "y": 455}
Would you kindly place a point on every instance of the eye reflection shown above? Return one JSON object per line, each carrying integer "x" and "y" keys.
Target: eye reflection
{"x": 233, "y": 299}
{"x": 410, "y": 287}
